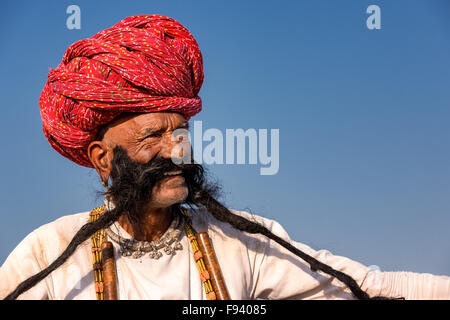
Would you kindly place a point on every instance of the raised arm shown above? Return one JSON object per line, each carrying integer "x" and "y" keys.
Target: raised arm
{"x": 282, "y": 275}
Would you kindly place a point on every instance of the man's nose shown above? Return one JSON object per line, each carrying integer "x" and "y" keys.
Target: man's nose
{"x": 171, "y": 145}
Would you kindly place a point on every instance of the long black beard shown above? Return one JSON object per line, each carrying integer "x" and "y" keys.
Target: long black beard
{"x": 131, "y": 190}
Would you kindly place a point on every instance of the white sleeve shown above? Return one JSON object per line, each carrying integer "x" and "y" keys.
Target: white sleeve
{"x": 411, "y": 286}
{"x": 283, "y": 275}
{"x": 24, "y": 261}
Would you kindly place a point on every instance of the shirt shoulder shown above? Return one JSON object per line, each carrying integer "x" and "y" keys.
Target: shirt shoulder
{"x": 53, "y": 237}
{"x": 223, "y": 232}
{"x": 63, "y": 227}
{"x": 36, "y": 251}
{"x": 207, "y": 221}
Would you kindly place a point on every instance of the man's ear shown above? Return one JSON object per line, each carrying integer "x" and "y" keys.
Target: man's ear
{"x": 101, "y": 155}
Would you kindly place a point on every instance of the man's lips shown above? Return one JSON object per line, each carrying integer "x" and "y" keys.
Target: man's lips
{"x": 173, "y": 173}
{"x": 173, "y": 176}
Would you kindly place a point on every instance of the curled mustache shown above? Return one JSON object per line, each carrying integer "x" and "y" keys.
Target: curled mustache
{"x": 133, "y": 182}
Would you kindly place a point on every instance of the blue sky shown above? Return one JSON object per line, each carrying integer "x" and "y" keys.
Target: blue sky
{"x": 363, "y": 118}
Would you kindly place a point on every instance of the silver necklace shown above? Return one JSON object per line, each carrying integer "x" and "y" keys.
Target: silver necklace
{"x": 135, "y": 249}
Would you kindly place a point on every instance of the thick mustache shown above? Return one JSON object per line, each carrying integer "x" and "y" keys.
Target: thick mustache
{"x": 157, "y": 168}
{"x": 151, "y": 172}
{"x": 132, "y": 182}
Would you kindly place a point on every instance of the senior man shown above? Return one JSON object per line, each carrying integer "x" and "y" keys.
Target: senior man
{"x": 116, "y": 103}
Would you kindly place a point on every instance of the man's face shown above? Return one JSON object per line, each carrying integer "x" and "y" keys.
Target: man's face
{"x": 148, "y": 135}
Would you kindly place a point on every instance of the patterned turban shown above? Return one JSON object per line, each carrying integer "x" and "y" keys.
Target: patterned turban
{"x": 142, "y": 64}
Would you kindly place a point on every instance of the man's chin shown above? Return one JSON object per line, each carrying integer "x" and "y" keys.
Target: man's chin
{"x": 168, "y": 196}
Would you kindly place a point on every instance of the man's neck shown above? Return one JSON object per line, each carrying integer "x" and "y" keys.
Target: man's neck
{"x": 151, "y": 226}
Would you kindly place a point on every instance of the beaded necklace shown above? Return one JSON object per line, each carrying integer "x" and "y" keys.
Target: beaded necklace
{"x": 99, "y": 237}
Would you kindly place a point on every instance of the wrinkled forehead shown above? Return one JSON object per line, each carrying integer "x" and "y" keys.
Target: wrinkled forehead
{"x": 136, "y": 124}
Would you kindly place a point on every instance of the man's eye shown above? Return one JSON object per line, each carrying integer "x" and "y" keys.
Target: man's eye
{"x": 153, "y": 135}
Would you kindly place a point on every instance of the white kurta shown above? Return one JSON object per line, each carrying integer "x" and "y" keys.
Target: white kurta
{"x": 252, "y": 266}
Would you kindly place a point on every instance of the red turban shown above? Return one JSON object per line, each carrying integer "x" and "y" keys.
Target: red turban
{"x": 142, "y": 64}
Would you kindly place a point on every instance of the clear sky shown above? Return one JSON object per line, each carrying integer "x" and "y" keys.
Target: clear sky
{"x": 363, "y": 118}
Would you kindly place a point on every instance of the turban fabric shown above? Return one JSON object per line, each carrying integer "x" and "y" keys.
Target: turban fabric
{"x": 142, "y": 64}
